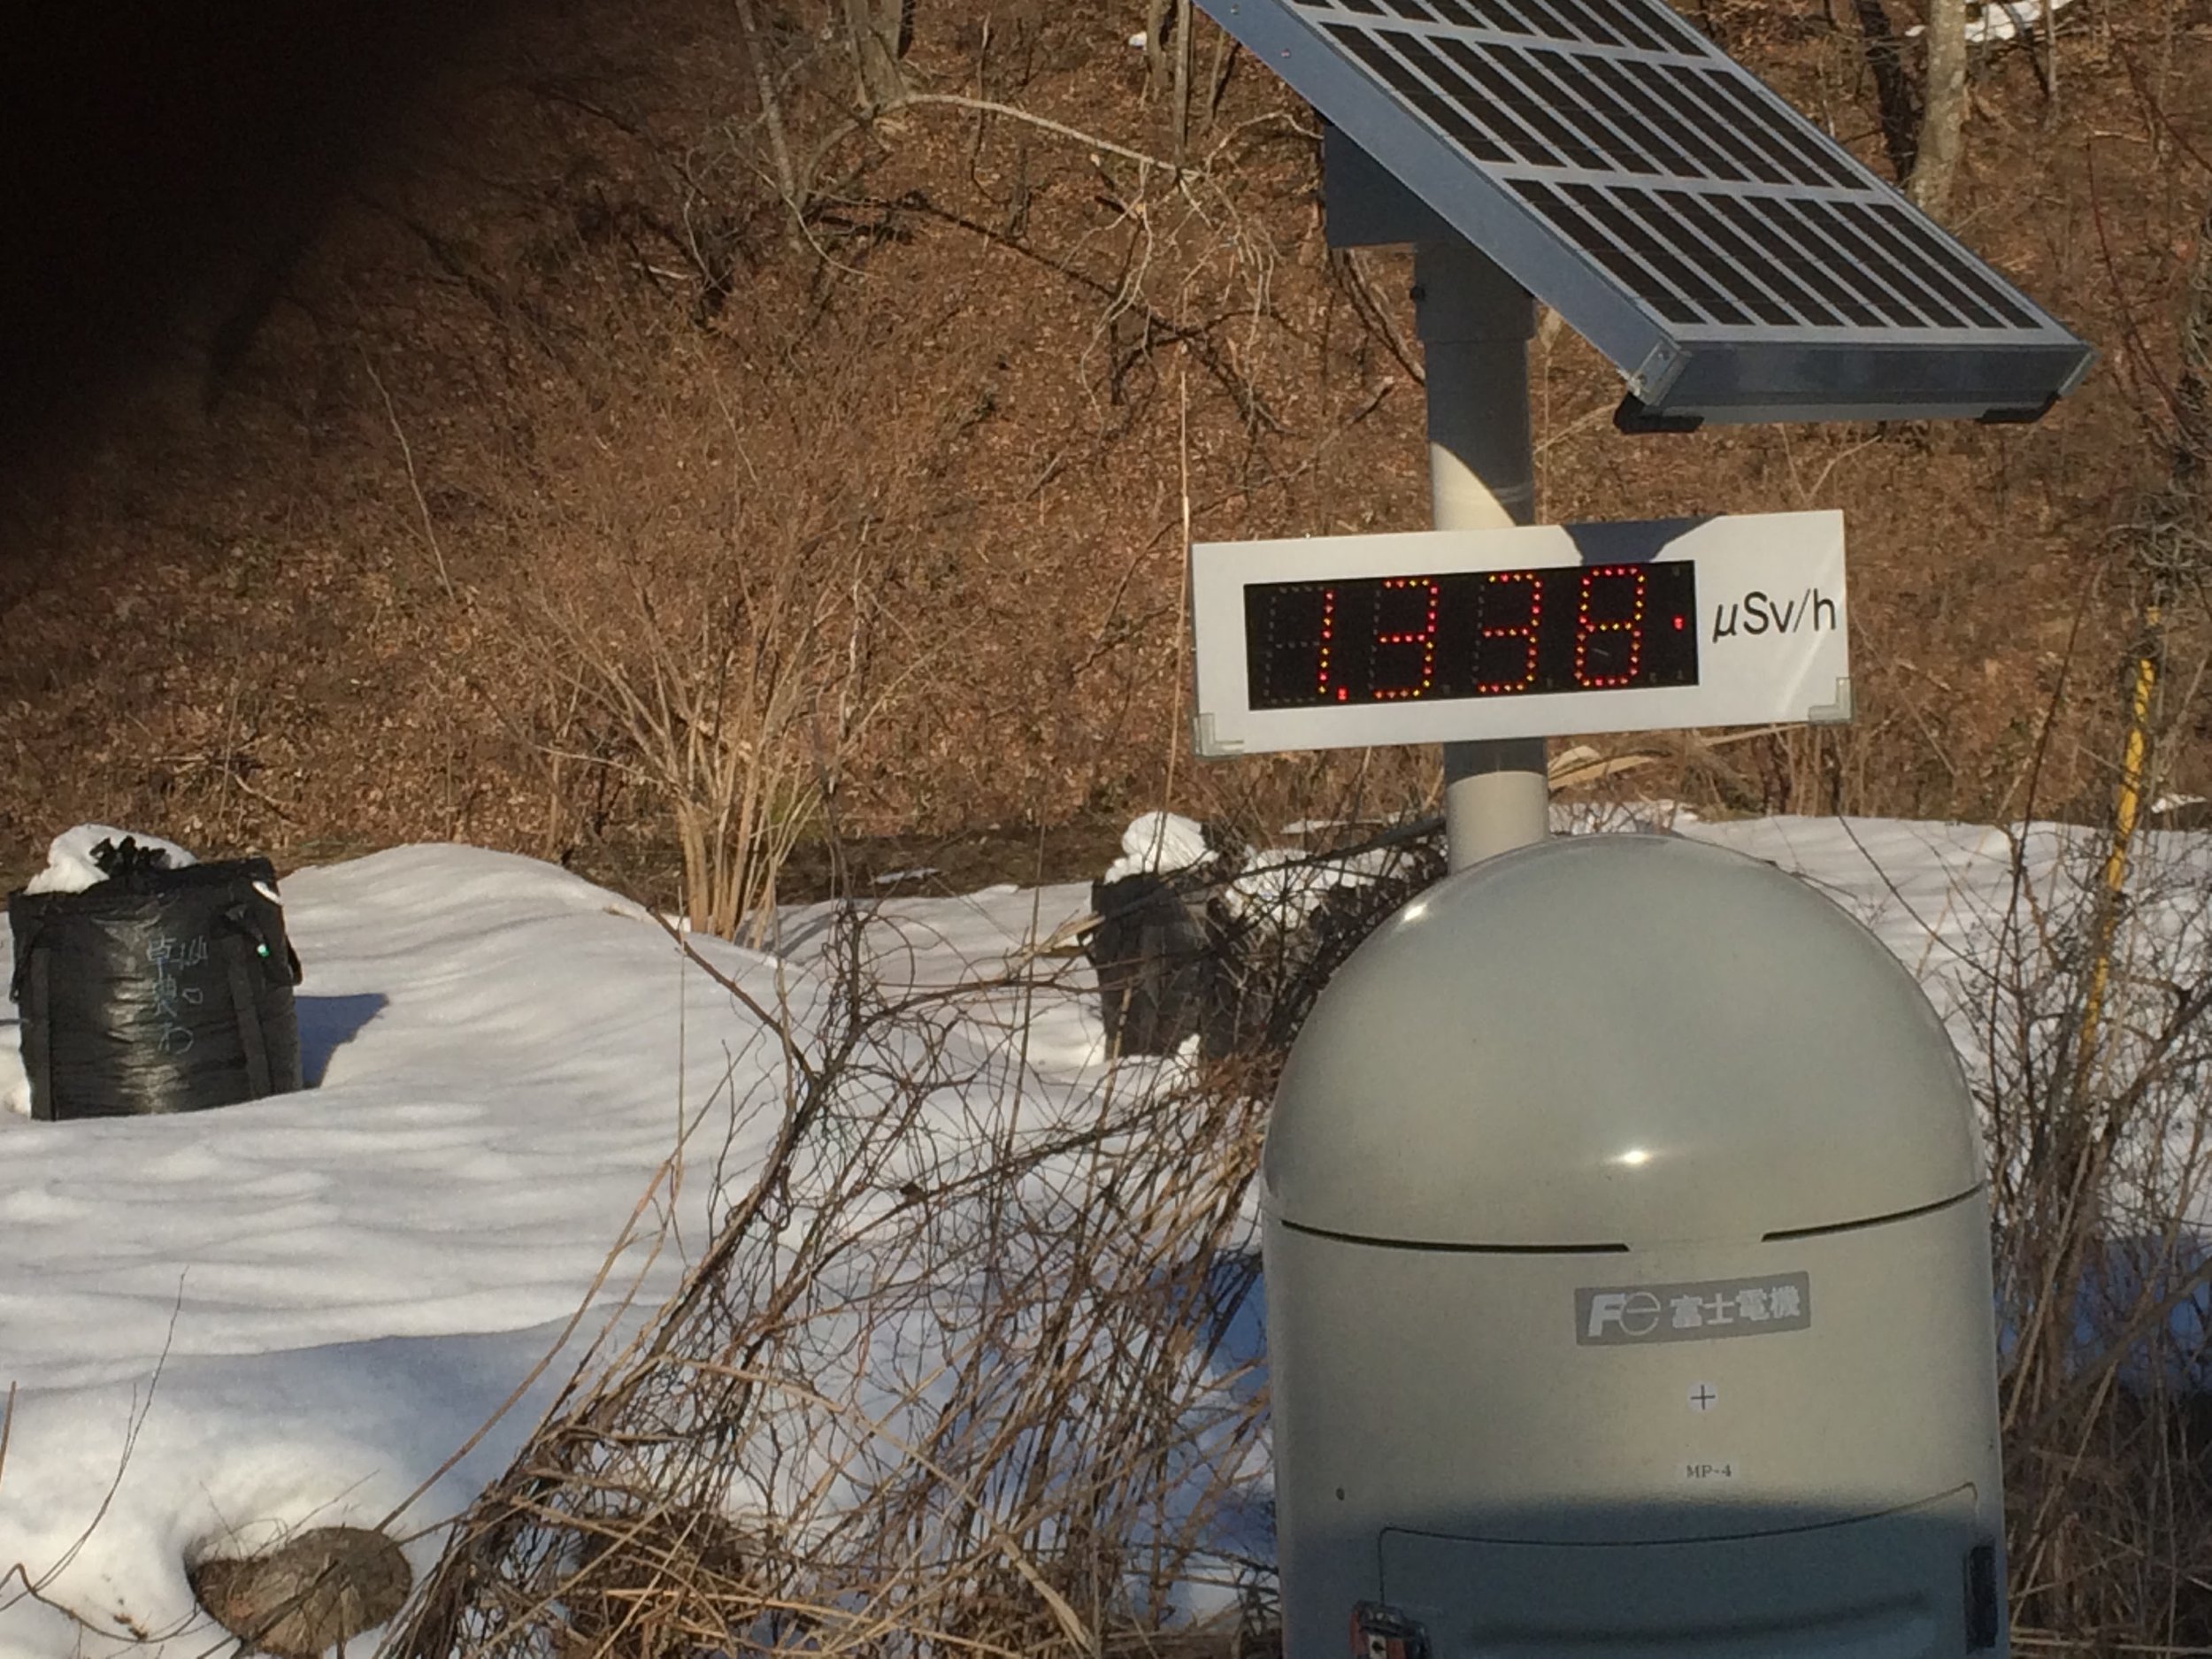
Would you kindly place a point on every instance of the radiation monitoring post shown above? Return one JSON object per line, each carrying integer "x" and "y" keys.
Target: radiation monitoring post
{"x": 1450, "y": 636}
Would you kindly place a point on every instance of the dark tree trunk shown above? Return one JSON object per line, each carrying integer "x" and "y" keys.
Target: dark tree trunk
{"x": 1892, "y": 87}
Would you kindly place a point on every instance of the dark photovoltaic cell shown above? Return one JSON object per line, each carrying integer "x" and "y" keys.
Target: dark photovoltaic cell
{"x": 1734, "y": 260}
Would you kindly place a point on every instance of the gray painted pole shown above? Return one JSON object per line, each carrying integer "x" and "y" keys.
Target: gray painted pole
{"x": 1475, "y": 325}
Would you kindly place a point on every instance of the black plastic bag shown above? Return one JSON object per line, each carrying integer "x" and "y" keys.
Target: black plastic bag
{"x": 156, "y": 990}
{"x": 1155, "y": 967}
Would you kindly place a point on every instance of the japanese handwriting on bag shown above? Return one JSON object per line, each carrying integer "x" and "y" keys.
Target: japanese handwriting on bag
{"x": 171, "y": 959}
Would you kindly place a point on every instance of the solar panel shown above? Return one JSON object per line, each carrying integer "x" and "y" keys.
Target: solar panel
{"x": 1732, "y": 260}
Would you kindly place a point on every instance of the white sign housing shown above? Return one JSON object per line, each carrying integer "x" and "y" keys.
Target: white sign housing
{"x": 1448, "y": 636}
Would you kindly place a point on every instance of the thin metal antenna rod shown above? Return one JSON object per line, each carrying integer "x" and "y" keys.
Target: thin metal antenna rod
{"x": 1475, "y": 325}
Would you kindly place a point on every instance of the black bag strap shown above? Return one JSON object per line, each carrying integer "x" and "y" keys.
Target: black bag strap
{"x": 37, "y": 1035}
{"x": 26, "y": 950}
{"x": 243, "y": 921}
{"x": 245, "y": 1008}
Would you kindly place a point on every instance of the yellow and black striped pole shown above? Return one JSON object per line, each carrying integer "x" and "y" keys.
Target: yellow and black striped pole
{"x": 2127, "y": 809}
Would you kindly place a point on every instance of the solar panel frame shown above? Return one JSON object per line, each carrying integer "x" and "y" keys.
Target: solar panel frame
{"x": 1732, "y": 260}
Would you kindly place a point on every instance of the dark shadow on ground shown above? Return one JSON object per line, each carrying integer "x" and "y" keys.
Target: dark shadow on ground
{"x": 327, "y": 1024}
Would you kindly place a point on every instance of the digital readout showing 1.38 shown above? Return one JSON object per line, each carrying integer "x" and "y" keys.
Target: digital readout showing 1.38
{"x": 1472, "y": 633}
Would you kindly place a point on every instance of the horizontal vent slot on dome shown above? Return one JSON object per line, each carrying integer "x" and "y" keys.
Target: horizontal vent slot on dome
{"x": 1784, "y": 1234}
{"x": 1457, "y": 1249}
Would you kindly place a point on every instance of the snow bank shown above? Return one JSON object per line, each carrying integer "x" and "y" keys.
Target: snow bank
{"x": 298, "y": 1309}
{"x": 301, "y": 1306}
{"x": 15, "y": 1080}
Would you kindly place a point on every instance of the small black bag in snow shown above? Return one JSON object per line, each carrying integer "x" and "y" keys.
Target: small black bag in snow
{"x": 1151, "y": 951}
{"x": 156, "y": 990}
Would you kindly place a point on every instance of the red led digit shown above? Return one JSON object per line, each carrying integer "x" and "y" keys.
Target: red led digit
{"x": 1524, "y": 631}
{"x": 1328, "y": 642}
{"x": 1425, "y": 636}
{"x": 1589, "y": 625}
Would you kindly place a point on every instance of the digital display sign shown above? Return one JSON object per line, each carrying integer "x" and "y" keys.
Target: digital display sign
{"x": 1459, "y": 634}
{"x": 1453, "y": 636}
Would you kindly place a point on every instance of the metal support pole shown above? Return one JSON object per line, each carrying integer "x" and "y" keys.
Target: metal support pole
{"x": 1475, "y": 325}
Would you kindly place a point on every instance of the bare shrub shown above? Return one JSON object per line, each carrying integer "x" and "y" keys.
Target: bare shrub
{"x": 718, "y": 619}
{"x": 956, "y": 1372}
{"x": 2097, "y": 1060}
{"x": 2088, "y": 989}
{"x": 2091, "y": 1060}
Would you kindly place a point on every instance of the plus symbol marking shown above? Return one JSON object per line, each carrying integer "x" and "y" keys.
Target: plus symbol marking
{"x": 1703, "y": 1397}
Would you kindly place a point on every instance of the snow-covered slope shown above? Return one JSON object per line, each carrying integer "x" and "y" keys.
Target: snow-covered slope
{"x": 292, "y": 1312}
{"x": 295, "y": 1312}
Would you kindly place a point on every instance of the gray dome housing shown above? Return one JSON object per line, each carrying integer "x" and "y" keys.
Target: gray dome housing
{"x": 1556, "y": 1048}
